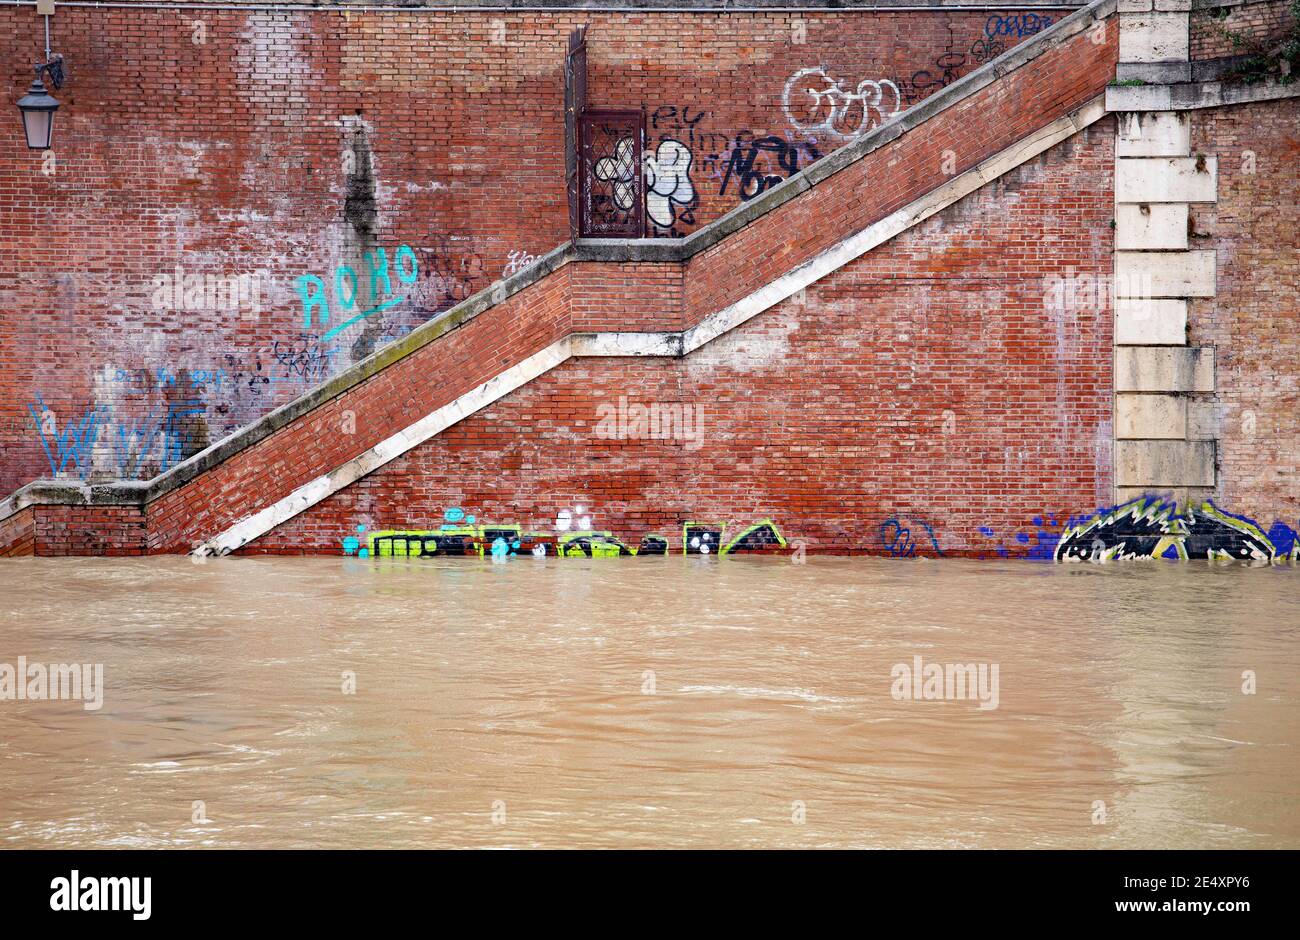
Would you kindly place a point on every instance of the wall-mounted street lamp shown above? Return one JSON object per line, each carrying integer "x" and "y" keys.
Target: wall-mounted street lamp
{"x": 38, "y": 105}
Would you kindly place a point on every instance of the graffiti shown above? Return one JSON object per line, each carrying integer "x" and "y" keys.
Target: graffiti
{"x": 652, "y": 545}
{"x": 814, "y": 103}
{"x": 394, "y": 333}
{"x": 352, "y": 544}
{"x": 420, "y": 280}
{"x": 1038, "y": 544}
{"x": 670, "y": 194}
{"x": 304, "y": 360}
{"x": 713, "y": 155}
{"x": 249, "y": 378}
{"x": 155, "y": 418}
{"x": 462, "y": 536}
{"x": 897, "y": 539}
{"x": 686, "y": 126}
{"x": 759, "y": 538}
{"x": 752, "y": 159}
{"x": 501, "y": 548}
{"x": 456, "y": 515}
{"x": 517, "y": 261}
{"x": 925, "y": 82}
{"x": 669, "y": 191}
{"x": 145, "y": 380}
{"x": 456, "y": 536}
{"x": 497, "y": 541}
{"x": 1149, "y": 527}
{"x": 669, "y": 122}
{"x": 421, "y": 544}
{"x": 744, "y": 164}
{"x": 681, "y": 126}
{"x": 450, "y": 270}
{"x": 591, "y": 545}
{"x": 701, "y": 538}
{"x": 136, "y": 441}
{"x": 286, "y": 363}
{"x": 346, "y": 289}
{"x": 684, "y": 149}
{"x": 1143, "y": 528}
{"x": 986, "y": 49}
{"x": 71, "y": 445}
{"x": 565, "y": 519}
{"x": 1019, "y": 25}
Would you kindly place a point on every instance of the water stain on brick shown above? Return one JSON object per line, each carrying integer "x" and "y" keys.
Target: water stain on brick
{"x": 361, "y": 212}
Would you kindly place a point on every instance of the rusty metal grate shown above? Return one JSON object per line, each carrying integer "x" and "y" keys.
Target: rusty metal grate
{"x": 612, "y": 198}
{"x": 575, "y": 104}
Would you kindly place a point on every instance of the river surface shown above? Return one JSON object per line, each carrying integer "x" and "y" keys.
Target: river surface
{"x": 651, "y": 702}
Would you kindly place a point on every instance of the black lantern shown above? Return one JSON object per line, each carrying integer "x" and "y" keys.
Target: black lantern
{"x": 38, "y": 107}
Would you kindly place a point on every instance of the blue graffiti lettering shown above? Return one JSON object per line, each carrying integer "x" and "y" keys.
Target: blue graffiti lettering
{"x": 1022, "y": 24}
{"x": 74, "y": 444}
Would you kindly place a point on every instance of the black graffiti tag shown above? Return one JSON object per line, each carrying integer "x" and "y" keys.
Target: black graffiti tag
{"x": 745, "y": 155}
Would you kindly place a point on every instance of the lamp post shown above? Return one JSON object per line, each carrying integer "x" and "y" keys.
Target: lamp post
{"x": 38, "y": 107}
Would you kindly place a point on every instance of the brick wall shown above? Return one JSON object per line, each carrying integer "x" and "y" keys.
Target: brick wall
{"x": 273, "y": 144}
{"x": 1213, "y": 29}
{"x": 1254, "y": 322}
{"x": 74, "y": 530}
{"x": 925, "y": 398}
{"x": 531, "y": 320}
{"x": 1054, "y": 414}
{"x": 89, "y": 530}
{"x": 928, "y": 383}
{"x": 18, "y": 534}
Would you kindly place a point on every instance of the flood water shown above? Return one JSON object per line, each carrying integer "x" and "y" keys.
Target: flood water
{"x": 650, "y": 702}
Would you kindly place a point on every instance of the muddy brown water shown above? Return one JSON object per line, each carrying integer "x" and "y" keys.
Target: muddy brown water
{"x": 650, "y": 702}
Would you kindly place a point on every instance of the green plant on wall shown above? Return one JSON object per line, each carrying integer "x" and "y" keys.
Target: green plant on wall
{"x": 1264, "y": 59}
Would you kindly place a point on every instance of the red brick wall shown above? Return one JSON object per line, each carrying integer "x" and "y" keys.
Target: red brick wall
{"x": 228, "y": 158}
{"x": 1254, "y": 322}
{"x": 89, "y": 530}
{"x": 73, "y": 530}
{"x": 1212, "y": 30}
{"x": 529, "y": 321}
{"x": 889, "y": 178}
{"x": 927, "y": 382}
{"x": 18, "y": 534}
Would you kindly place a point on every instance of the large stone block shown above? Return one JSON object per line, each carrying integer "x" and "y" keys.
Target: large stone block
{"x": 1155, "y": 73}
{"x": 1154, "y": 36}
{"x": 1151, "y": 274}
{"x": 1164, "y": 463}
{"x": 1184, "y": 496}
{"x": 1145, "y": 322}
{"x": 1145, "y": 226}
{"x": 1166, "y": 179}
{"x": 1154, "y": 134}
{"x": 1130, "y": 98}
{"x": 1140, "y": 416}
{"x": 1164, "y": 369}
